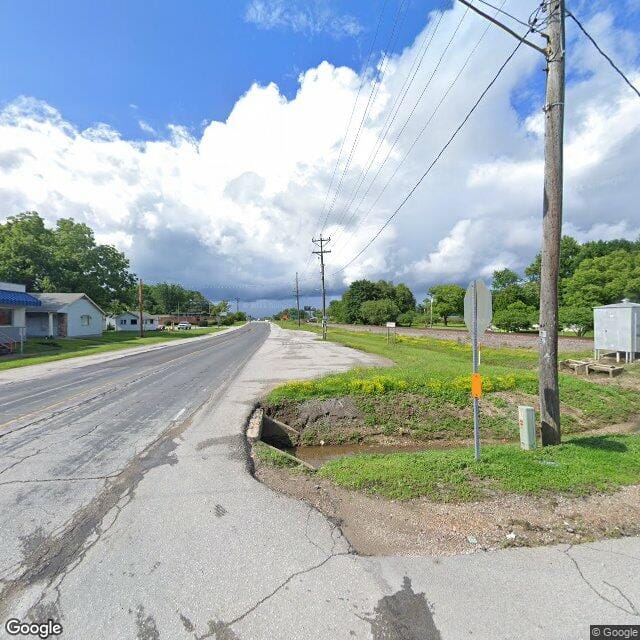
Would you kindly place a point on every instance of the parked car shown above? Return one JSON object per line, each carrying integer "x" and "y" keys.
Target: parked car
{"x": 183, "y": 326}
{"x": 312, "y": 319}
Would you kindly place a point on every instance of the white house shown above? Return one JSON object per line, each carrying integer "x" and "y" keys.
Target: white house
{"x": 14, "y": 302}
{"x": 130, "y": 321}
{"x": 64, "y": 315}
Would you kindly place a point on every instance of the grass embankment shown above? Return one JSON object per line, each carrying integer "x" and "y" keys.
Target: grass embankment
{"x": 425, "y": 396}
{"x": 39, "y": 350}
{"x": 581, "y": 466}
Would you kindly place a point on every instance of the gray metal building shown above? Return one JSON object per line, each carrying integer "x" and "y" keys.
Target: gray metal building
{"x": 616, "y": 329}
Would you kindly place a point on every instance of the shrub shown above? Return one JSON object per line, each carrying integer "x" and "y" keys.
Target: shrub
{"x": 406, "y": 319}
{"x": 516, "y": 317}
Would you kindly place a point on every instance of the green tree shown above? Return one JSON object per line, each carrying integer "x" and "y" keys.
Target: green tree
{"x": 603, "y": 280}
{"x": 336, "y": 311}
{"x": 26, "y": 251}
{"x": 448, "y": 301}
{"x": 570, "y": 250}
{"x": 406, "y": 319}
{"x": 291, "y": 313}
{"x": 65, "y": 258}
{"x": 384, "y": 290}
{"x": 358, "y": 292}
{"x": 516, "y": 317}
{"x": 578, "y": 319}
{"x": 404, "y": 298}
{"x": 504, "y": 279}
{"x": 379, "y": 311}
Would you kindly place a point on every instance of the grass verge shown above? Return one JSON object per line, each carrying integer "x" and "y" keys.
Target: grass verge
{"x": 39, "y": 350}
{"x": 427, "y": 392}
{"x": 580, "y": 466}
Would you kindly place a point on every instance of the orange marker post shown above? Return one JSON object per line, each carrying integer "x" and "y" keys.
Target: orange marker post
{"x": 476, "y": 385}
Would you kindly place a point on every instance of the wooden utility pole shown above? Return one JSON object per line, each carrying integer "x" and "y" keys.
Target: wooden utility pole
{"x": 237, "y": 304}
{"x": 297, "y": 298}
{"x": 141, "y": 308}
{"x": 551, "y": 209}
{"x": 552, "y": 225}
{"x": 320, "y": 242}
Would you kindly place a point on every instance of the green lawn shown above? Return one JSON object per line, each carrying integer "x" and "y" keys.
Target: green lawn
{"x": 580, "y": 466}
{"x": 427, "y": 391}
{"x": 38, "y": 350}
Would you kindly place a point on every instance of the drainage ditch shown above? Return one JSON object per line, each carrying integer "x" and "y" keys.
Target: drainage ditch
{"x": 287, "y": 439}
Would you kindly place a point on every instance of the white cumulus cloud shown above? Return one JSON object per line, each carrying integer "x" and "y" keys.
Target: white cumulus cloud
{"x": 237, "y": 206}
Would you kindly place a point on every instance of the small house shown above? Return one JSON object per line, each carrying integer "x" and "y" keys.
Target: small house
{"x": 130, "y": 321}
{"x": 616, "y": 329}
{"x": 64, "y": 315}
{"x": 14, "y": 302}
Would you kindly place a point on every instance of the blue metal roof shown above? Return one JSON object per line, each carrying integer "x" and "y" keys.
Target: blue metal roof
{"x": 19, "y": 298}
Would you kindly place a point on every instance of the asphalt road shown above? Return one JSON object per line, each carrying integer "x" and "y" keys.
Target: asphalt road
{"x": 63, "y": 437}
{"x": 128, "y": 511}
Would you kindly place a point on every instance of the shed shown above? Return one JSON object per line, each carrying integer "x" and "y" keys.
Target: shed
{"x": 616, "y": 329}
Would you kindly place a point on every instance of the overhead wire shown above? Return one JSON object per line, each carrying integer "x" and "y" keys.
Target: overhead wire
{"x": 602, "y": 53}
{"x": 408, "y": 119}
{"x": 402, "y": 10}
{"x": 355, "y": 103}
{"x": 353, "y": 110}
{"x": 420, "y": 134}
{"x": 439, "y": 155}
{"x": 395, "y": 109}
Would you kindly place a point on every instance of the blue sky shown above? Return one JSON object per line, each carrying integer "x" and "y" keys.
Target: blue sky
{"x": 228, "y": 200}
{"x": 176, "y": 62}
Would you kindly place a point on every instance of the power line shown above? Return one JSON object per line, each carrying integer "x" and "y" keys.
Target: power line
{"x": 353, "y": 109}
{"x": 344, "y": 139}
{"x": 440, "y": 153}
{"x": 373, "y": 94}
{"x": 417, "y": 138}
{"x": 602, "y": 53}
{"x": 406, "y": 122}
{"x": 395, "y": 109}
{"x": 506, "y": 13}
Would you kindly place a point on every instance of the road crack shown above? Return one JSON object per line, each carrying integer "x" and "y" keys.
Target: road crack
{"x": 633, "y": 610}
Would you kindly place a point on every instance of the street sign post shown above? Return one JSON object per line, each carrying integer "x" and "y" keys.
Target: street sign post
{"x": 477, "y": 316}
{"x": 390, "y": 325}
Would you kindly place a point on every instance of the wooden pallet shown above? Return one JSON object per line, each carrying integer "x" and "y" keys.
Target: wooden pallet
{"x": 577, "y": 366}
{"x": 611, "y": 369}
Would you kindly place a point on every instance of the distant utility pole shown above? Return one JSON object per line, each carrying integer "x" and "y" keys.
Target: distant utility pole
{"x": 140, "y": 308}
{"x": 297, "y": 298}
{"x": 551, "y": 210}
{"x": 320, "y": 242}
{"x": 237, "y": 304}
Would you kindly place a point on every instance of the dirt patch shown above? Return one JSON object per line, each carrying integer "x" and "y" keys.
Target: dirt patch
{"x": 378, "y": 526}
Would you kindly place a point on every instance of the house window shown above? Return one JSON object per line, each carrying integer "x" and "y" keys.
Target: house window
{"x": 134, "y": 321}
{"x": 85, "y": 320}
{"x": 123, "y": 321}
{"x": 6, "y": 317}
{"x": 150, "y": 320}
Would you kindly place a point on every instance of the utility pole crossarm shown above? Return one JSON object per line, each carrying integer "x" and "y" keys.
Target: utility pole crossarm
{"x": 504, "y": 27}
